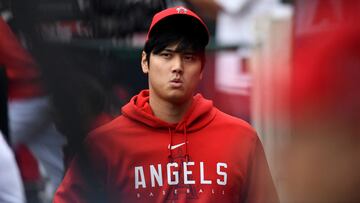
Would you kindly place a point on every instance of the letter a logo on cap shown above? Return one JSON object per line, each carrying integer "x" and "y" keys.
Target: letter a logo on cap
{"x": 181, "y": 10}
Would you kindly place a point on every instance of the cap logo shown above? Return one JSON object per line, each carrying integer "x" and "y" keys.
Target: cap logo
{"x": 181, "y": 10}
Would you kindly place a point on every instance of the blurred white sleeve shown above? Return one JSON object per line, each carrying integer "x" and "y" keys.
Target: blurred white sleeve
{"x": 28, "y": 118}
{"x": 232, "y": 6}
{"x": 11, "y": 187}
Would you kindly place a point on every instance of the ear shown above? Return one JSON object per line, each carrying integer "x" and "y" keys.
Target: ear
{"x": 144, "y": 63}
{"x": 201, "y": 75}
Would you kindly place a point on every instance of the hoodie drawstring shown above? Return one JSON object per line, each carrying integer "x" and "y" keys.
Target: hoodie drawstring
{"x": 170, "y": 156}
{"x": 171, "y": 144}
{"x": 186, "y": 145}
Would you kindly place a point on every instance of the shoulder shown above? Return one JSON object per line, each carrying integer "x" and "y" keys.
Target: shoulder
{"x": 108, "y": 131}
{"x": 105, "y": 142}
{"x": 235, "y": 126}
{"x": 233, "y": 121}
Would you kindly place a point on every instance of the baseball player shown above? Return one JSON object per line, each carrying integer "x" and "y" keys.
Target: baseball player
{"x": 171, "y": 144}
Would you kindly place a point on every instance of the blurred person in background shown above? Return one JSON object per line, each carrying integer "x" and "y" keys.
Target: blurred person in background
{"x": 11, "y": 186}
{"x": 323, "y": 161}
{"x": 81, "y": 114}
{"x": 323, "y": 156}
{"x": 169, "y": 145}
{"x": 30, "y": 120}
{"x": 236, "y": 26}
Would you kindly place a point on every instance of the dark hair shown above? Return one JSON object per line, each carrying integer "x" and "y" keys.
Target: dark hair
{"x": 184, "y": 30}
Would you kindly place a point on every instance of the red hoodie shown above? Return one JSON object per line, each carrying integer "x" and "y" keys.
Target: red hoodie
{"x": 213, "y": 158}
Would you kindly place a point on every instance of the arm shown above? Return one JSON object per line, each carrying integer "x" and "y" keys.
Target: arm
{"x": 19, "y": 63}
{"x": 259, "y": 184}
{"x": 74, "y": 187}
{"x": 85, "y": 179}
{"x": 26, "y": 117}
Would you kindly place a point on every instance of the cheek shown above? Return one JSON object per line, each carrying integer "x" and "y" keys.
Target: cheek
{"x": 193, "y": 79}
{"x": 195, "y": 73}
{"x": 157, "y": 76}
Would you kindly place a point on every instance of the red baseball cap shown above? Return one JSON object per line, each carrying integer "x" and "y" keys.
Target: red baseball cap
{"x": 178, "y": 11}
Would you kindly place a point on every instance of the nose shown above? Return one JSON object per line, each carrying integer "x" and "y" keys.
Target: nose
{"x": 177, "y": 65}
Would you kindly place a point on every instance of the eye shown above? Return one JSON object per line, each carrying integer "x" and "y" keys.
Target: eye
{"x": 190, "y": 57}
{"x": 165, "y": 55}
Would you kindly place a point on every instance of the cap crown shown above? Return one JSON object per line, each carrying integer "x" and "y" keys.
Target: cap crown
{"x": 179, "y": 11}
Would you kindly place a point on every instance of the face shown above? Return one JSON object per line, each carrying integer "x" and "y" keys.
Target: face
{"x": 173, "y": 76}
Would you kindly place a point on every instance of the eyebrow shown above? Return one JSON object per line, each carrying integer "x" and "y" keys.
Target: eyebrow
{"x": 176, "y": 51}
{"x": 169, "y": 50}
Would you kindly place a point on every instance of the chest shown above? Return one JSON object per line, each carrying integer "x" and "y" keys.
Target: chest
{"x": 167, "y": 165}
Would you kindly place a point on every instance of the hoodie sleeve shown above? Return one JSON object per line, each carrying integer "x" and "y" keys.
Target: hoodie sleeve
{"x": 73, "y": 187}
{"x": 84, "y": 181}
{"x": 259, "y": 184}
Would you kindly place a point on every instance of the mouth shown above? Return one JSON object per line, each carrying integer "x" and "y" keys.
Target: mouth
{"x": 176, "y": 83}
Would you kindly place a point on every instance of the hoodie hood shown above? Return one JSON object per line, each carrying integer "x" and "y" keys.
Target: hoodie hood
{"x": 200, "y": 113}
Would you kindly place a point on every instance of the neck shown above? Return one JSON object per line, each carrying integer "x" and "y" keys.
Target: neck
{"x": 167, "y": 111}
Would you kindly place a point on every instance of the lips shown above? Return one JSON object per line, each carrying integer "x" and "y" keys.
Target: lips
{"x": 176, "y": 82}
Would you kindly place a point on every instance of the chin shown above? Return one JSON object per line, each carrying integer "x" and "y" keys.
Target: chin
{"x": 177, "y": 97}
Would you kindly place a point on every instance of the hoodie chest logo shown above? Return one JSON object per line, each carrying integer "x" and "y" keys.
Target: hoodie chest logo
{"x": 176, "y": 179}
{"x": 176, "y": 146}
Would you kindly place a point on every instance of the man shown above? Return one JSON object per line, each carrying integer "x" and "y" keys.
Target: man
{"x": 170, "y": 145}
{"x": 30, "y": 113}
